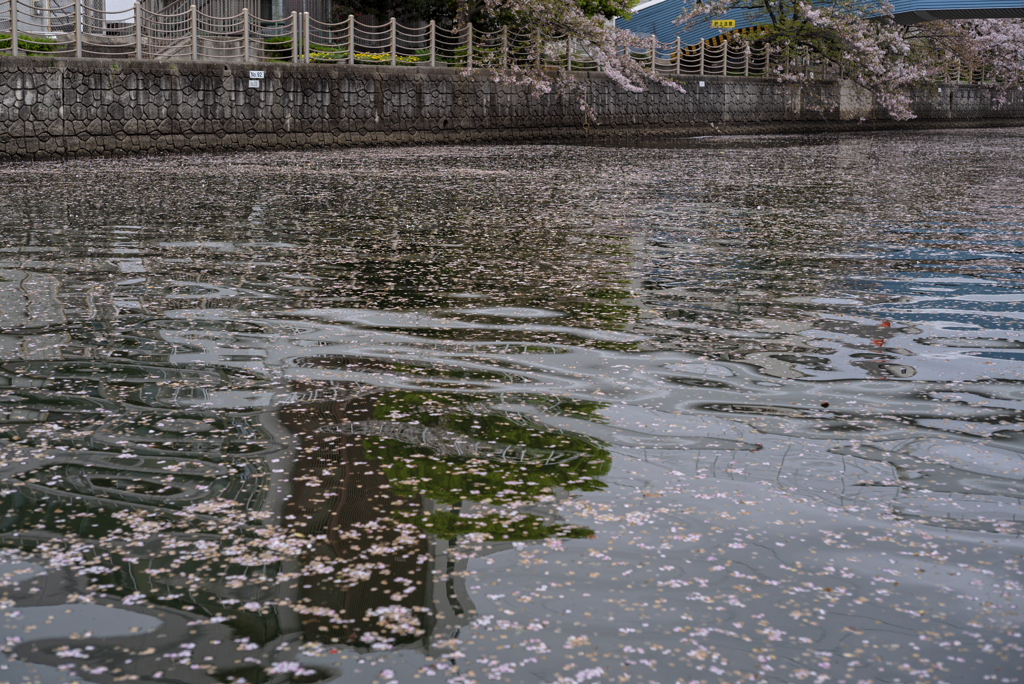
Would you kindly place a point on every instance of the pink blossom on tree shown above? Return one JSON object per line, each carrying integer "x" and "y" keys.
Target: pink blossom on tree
{"x": 864, "y": 42}
{"x": 538, "y": 30}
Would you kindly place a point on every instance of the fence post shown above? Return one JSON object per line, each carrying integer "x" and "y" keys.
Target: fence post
{"x": 14, "y": 28}
{"x": 725, "y": 58}
{"x": 746, "y": 60}
{"x": 701, "y": 56}
{"x": 245, "y": 34}
{"x": 193, "y": 21}
{"x": 540, "y": 48}
{"x": 654, "y": 54}
{"x": 433, "y": 43}
{"x": 78, "y": 27}
{"x": 138, "y": 31}
{"x": 351, "y": 39}
{"x": 295, "y": 37}
{"x": 568, "y": 53}
{"x": 679, "y": 54}
{"x": 469, "y": 45}
{"x": 305, "y": 37}
{"x": 504, "y": 47}
{"x": 394, "y": 43}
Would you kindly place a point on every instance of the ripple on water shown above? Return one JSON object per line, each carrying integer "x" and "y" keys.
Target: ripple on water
{"x": 725, "y": 409}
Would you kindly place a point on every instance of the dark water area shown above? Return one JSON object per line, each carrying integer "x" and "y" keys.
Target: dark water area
{"x": 717, "y": 410}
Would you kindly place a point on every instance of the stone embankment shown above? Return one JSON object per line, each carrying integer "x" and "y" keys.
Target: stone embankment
{"x": 68, "y": 108}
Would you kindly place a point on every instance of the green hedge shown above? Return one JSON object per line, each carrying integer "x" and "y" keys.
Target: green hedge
{"x": 30, "y": 44}
{"x": 278, "y": 49}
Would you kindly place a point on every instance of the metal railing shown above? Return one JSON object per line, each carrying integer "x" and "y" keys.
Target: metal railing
{"x": 209, "y": 31}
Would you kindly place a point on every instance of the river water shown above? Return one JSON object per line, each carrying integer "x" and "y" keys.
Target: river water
{"x": 716, "y": 410}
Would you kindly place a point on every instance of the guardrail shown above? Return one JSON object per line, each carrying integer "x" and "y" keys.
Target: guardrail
{"x": 76, "y": 28}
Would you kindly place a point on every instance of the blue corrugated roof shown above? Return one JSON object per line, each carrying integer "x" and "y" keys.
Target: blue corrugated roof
{"x": 656, "y": 17}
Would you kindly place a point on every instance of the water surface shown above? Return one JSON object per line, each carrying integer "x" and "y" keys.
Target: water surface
{"x": 718, "y": 410}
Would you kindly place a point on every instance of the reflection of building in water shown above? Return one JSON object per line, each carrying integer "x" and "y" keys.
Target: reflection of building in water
{"x": 32, "y": 318}
{"x": 340, "y": 494}
{"x": 112, "y": 421}
{"x": 96, "y": 456}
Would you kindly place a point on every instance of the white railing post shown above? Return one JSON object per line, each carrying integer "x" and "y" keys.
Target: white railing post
{"x": 193, "y": 20}
{"x": 245, "y": 34}
{"x": 654, "y": 54}
{"x": 305, "y": 37}
{"x": 433, "y": 43}
{"x": 78, "y": 27}
{"x": 295, "y": 37}
{"x": 504, "y": 47}
{"x": 351, "y": 39}
{"x": 746, "y": 60}
{"x": 394, "y": 42}
{"x": 14, "y": 28}
{"x": 138, "y": 31}
{"x": 679, "y": 55}
{"x": 540, "y": 48}
{"x": 568, "y": 53}
{"x": 701, "y": 71}
{"x": 725, "y": 58}
{"x": 469, "y": 45}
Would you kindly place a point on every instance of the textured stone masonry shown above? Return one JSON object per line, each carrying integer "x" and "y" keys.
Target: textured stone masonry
{"x": 53, "y": 108}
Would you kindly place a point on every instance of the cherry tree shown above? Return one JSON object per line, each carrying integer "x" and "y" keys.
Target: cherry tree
{"x": 860, "y": 37}
{"x": 874, "y": 51}
{"x": 543, "y": 36}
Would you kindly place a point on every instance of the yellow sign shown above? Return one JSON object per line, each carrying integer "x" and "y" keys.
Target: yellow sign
{"x": 723, "y": 23}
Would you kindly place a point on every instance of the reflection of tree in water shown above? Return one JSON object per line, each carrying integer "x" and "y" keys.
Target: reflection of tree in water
{"x": 476, "y": 455}
{"x": 130, "y": 499}
{"x": 355, "y": 488}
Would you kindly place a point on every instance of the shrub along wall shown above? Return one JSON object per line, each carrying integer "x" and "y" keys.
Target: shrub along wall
{"x": 52, "y": 108}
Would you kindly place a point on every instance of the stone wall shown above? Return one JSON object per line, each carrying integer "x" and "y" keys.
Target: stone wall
{"x": 65, "y": 107}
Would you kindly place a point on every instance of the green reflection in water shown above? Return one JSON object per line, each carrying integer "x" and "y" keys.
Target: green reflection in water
{"x": 507, "y": 460}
